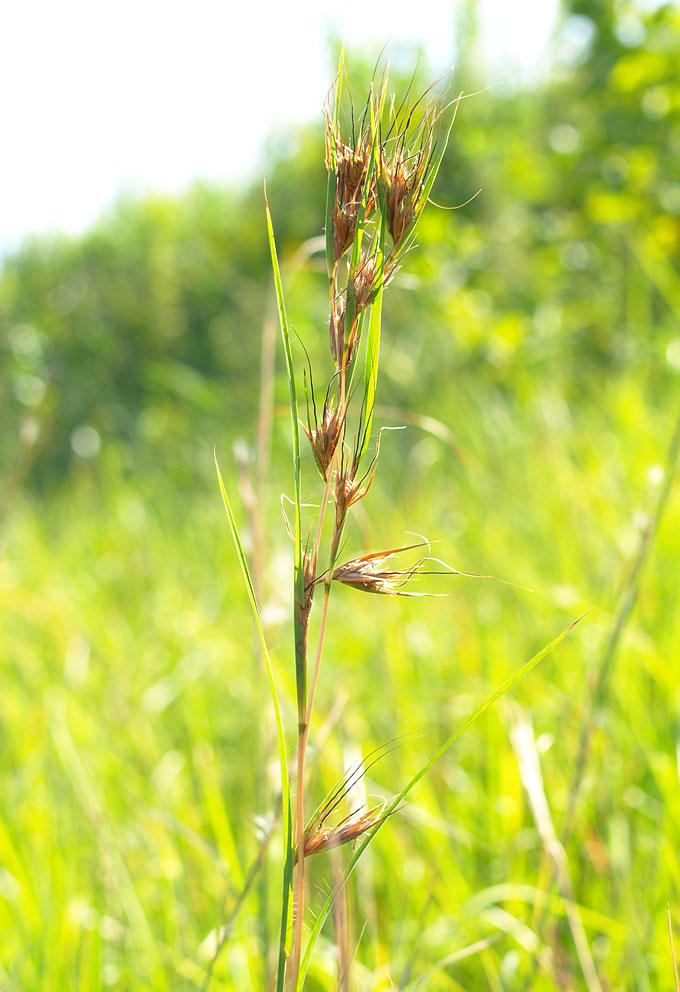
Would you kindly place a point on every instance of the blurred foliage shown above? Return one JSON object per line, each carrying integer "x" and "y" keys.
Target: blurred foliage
{"x": 151, "y": 323}
{"x": 532, "y": 345}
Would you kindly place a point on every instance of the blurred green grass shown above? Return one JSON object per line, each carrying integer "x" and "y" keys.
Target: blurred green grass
{"x": 133, "y": 757}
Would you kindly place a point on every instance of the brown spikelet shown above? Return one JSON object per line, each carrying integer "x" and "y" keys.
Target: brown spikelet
{"x": 351, "y": 170}
{"x": 343, "y": 344}
{"x": 325, "y": 432}
{"x": 336, "y": 328}
{"x": 405, "y": 168}
{"x": 349, "y": 486}
{"x": 318, "y": 836}
{"x": 403, "y": 179}
{"x": 352, "y": 343}
{"x": 365, "y": 283}
{"x": 349, "y": 489}
{"x": 324, "y": 838}
{"x": 367, "y": 572}
{"x": 324, "y": 437}
{"x": 305, "y": 606}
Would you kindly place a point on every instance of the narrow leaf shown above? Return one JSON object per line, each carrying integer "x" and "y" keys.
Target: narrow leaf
{"x": 299, "y": 581}
{"x": 285, "y": 787}
{"x": 292, "y": 391}
{"x": 360, "y": 333}
{"x": 488, "y": 702}
{"x": 331, "y": 183}
{"x": 373, "y": 341}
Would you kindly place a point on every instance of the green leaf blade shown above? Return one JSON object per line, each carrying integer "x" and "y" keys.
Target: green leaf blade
{"x": 331, "y": 184}
{"x": 373, "y": 339}
{"x": 283, "y": 762}
{"x": 391, "y": 807}
{"x": 292, "y": 392}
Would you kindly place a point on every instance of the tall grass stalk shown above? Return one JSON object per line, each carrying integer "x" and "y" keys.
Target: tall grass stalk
{"x": 382, "y": 160}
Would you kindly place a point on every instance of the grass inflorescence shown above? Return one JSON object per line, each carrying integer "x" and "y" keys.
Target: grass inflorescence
{"x": 382, "y": 162}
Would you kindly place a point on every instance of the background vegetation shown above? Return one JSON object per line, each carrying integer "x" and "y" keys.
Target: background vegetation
{"x": 532, "y": 348}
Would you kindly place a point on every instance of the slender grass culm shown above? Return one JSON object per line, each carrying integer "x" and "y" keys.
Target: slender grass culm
{"x": 381, "y": 169}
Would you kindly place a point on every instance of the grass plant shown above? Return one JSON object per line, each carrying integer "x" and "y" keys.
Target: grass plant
{"x": 382, "y": 162}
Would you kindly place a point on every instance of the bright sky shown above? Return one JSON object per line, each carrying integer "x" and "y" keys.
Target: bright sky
{"x": 102, "y": 97}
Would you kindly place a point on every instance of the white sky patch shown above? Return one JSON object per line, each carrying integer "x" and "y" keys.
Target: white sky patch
{"x": 516, "y": 36}
{"x": 101, "y": 98}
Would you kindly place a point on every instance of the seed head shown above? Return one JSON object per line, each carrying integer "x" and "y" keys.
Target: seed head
{"x": 365, "y": 282}
{"x": 407, "y": 162}
{"x": 324, "y": 437}
{"x": 350, "y": 162}
{"x": 336, "y": 328}
{"x": 309, "y": 581}
{"x": 324, "y": 838}
{"x": 324, "y": 432}
{"x": 369, "y": 574}
{"x": 348, "y": 488}
{"x": 403, "y": 181}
